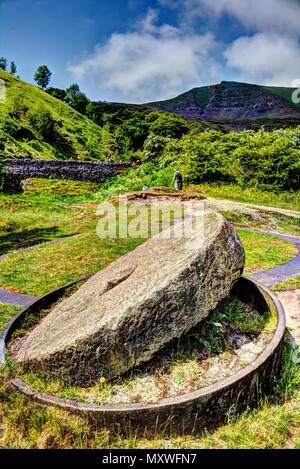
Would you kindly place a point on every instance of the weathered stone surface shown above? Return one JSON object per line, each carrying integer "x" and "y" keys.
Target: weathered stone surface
{"x": 127, "y": 312}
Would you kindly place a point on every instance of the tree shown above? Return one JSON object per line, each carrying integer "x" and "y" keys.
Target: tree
{"x": 109, "y": 144}
{"x": 57, "y": 93}
{"x": 73, "y": 90}
{"x": 13, "y": 68}
{"x": 3, "y": 63}
{"x": 76, "y": 98}
{"x": 42, "y": 76}
{"x": 132, "y": 134}
{"x": 168, "y": 125}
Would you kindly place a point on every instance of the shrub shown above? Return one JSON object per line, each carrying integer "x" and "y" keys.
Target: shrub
{"x": 269, "y": 160}
{"x": 154, "y": 147}
{"x": 42, "y": 121}
{"x": 18, "y": 108}
{"x": 169, "y": 125}
{"x": 134, "y": 179}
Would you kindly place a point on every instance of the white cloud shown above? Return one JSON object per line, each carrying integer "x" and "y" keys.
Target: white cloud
{"x": 271, "y": 53}
{"x": 261, "y": 15}
{"x": 150, "y": 62}
{"x": 266, "y": 58}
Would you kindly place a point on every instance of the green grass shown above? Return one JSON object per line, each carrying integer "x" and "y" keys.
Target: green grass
{"x": 47, "y": 267}
{"x": 6, "y": 313}
{"x": 26, "y": 425}
{"x": 76, "y": 137}
{"x": 26, "y": 221}
{"x": 61, "y": 189}
{"x": 29, "y": 220}
{"x": 264, "y": 221}
{"x": 265, "y": 251}
{"x": 272, "y": 425}
{"x": 290, "y": 284}
{"x": 289, "y": 200}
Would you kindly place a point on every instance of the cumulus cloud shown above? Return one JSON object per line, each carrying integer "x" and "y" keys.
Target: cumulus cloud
{"x": 262, "y": 15}
{"x": 151, "y": 62}
{"x": 155, "y": 61}
{"x": 266, "y": 58}
{"x": 268, "y": 48}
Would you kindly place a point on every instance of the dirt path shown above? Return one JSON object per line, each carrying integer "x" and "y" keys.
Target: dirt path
{"x": 223, "y": 205}
{"x": 291, "y": 304}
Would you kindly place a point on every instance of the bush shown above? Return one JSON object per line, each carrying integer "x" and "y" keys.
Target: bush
{"x": 42, "y": 121}
{"x": 18, "y": 108}
{"x": 134, "y": 179}
{"x": 131, "y": 134}
{"x": 9, "y": 127}
{"x": 169, "y": 125}
{"x": 154, "y": 147}
{"x": 268, "y": 160}
{"x": 17, "y": 131}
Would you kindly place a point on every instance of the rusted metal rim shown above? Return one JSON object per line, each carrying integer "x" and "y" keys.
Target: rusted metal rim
{"x": 246, "y": 289}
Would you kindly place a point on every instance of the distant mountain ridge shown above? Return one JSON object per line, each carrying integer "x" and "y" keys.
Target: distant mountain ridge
{"x": 233, "y": 101}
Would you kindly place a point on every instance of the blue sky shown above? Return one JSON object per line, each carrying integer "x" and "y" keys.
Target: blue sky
{"x": 143, "y": 50}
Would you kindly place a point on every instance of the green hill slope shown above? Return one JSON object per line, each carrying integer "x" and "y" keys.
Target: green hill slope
{"x": 35, "y": 125}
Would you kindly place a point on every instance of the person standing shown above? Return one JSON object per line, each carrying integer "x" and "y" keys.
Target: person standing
{"x": 178, "y": 180}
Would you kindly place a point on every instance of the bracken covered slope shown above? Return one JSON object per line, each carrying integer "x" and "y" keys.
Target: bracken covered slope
{"x": 35, "y": 125}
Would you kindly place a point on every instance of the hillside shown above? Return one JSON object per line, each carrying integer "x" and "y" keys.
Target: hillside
{"x": 236, "y": 104}
{"x": 33, "y": 124}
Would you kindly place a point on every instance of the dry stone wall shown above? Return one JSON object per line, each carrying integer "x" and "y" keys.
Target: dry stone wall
{"x": 17, "y": 170}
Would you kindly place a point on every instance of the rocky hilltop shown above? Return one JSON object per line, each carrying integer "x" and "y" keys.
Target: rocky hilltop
{"x": 232, "y": 101}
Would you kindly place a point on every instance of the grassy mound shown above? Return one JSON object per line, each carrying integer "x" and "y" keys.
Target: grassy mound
{"x": 59, "y": 188}
{"x": 35, "y": 125}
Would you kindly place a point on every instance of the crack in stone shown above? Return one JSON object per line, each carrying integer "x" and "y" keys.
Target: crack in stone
{"x": 111, "y": 284}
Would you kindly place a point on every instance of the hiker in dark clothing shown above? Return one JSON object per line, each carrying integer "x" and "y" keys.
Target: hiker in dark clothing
{"x": 178, "y": 180}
